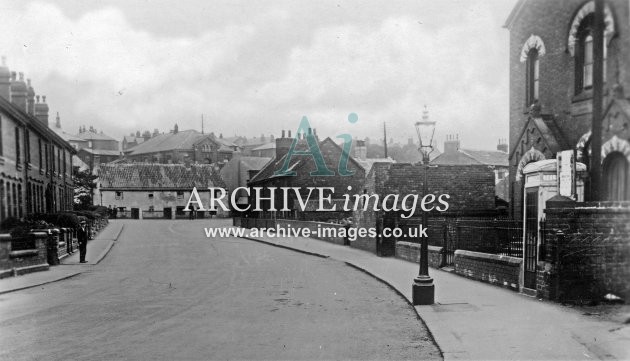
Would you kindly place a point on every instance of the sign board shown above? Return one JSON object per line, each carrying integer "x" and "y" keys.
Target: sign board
{"x": 566, "y": 173}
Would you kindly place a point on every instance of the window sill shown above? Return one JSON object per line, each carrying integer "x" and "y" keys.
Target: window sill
{"x": 584, "y": 95}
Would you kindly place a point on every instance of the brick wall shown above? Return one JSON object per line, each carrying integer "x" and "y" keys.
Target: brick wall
{"x": 470, "y": 187}
{"x": 590, "y": 257}
{"x": 411, "y": 252}
{"x": 502, "y": 271}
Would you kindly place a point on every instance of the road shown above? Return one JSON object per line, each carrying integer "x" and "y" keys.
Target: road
{"x": 167, "y": 292}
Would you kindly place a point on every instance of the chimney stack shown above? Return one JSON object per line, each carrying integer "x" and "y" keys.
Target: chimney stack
{"x": 282, "y": 145}
{"x": 5, "y": 80}
{"x": 451, "y": 145}
{"x": 57, "y": 121}
{"x": 18, "y": 91}
{"x": 30, "y": 97}
{"x": 502, "y": 146}
{"x": 40, "y": 110}
{"x": 360, "y": 150}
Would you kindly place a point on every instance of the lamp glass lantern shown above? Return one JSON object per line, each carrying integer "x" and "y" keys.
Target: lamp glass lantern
{"x": 425, "y": 129}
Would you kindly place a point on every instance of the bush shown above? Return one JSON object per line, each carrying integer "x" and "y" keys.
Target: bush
{"x": 10, "y": 223}
{"x": 68, "y": 220}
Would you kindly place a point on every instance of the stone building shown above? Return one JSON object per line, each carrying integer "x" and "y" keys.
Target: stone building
{"x": 35, "y": 162}
{"x": 155, "y": 190}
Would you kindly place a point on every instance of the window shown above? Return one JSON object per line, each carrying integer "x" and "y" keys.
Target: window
{"x": 39, "y": 144}
{"x": 17, "y": 146}
{"x": 119, "y": 195}
{"x": 27, "y": 146}
{"x": 151, "y": 196}
{"x": 584, "y": 57}
{"x": 180, "y": 195}
{"x": 532, "y": 77}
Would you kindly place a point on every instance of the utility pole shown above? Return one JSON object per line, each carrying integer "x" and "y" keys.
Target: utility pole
{"x": 598, "y": 82}
{"x": 201, "y": 123}
{"x": 385, "y": 137}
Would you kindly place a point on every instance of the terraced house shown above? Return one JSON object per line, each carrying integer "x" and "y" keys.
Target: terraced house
{"x": 35, "y": 162}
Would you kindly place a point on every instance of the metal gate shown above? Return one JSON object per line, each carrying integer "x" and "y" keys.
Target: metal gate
{"x": 449, "y": 236}
{"x": 531, "y": 237}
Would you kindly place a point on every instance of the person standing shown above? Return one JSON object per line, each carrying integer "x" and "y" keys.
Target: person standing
{"x": 82, "y": 237}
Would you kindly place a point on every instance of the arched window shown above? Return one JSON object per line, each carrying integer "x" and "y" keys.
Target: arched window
{"x": 616, "y": 177}
{"x": 580, "y": 43}
{"x": 533, "y": 76}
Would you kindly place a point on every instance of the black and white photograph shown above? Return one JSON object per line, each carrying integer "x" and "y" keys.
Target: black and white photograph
{"x": 315, "y": 180}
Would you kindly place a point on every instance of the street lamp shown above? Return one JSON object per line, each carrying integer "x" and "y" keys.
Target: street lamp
{"x": 423, "y": 289}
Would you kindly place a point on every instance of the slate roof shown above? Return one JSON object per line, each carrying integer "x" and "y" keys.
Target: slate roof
{"x": 164, "y": 142}
{"x": 95, "y": 136}
{"x": 469, "y": 156}
{"x": 298, "y": 162}
{"x": 184, "y": 139}
{"x": 100, "y": 151}
{"x": 141, "y": 176}
{"x": 270, "y": 145}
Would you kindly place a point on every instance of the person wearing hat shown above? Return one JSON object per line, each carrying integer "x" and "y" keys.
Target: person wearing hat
{"x": 82, "y": 237}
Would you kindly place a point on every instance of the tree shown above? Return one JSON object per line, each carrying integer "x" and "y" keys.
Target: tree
{"x": 83, "y": 188}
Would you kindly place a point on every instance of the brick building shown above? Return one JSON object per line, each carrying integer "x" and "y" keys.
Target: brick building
{"x": 497, "y": 159}
{"x": 181, "y": 147}
{"x": 35, "y": 162}
{"x": 157, "y": 190}
{"x": 470, "y": 187}
{"x": 551, "y": 89}
{"x": 303, "y": 165}
{"x": 571, "y": 250}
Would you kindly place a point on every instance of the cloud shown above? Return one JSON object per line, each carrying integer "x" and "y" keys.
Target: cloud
{"x": 260, "y": 72}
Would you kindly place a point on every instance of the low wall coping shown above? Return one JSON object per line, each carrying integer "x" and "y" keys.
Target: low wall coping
{"x": 5, "y": 237}
{"x": 490, "y": 257}
{"x": 23, "y": 253}
{"x": 417, "y": 245}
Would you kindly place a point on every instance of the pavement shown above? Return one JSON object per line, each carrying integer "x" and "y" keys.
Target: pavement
{"x": 472, "y": 320}
{"x": 70, "y": 266}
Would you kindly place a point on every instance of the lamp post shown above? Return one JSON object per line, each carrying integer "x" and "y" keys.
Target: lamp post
{"x": 423, "y": 289}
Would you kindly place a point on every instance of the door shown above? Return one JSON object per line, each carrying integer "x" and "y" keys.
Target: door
{"x": 530, "y": 256}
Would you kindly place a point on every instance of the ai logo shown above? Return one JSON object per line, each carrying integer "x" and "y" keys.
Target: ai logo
{"x": 316, "y": 154}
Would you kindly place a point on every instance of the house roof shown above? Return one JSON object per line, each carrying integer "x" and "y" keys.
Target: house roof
{"x": 470, "y": 156}
{"x": 236, "y": 172}
{"x": 181, "y": 140}
{"x": 95, "y": 136}
{"x": 100, "y": 151}
{"x": 158, "y": 176}
{"x": 21, "y": 116}
{"x": 298, "y": 162}
{"x": 266, "y": 146}
{"x": 489, "y": 157}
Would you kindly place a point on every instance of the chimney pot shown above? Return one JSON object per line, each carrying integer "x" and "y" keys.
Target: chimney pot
{"x": 43, "y": 99}
{"x": 282, "y": 133}
{"x": 21, "y": 76}
{"x": 4, "y": 60}
{"x": 37, "y": 97}
{"x": 289, "y": 133}
{"x": 13, "y": 76}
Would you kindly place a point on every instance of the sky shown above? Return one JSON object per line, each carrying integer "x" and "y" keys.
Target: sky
{"x": 258, "y": 67}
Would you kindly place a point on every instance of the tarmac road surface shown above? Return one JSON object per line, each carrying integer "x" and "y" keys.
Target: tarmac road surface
{"x": 167, "y": 292}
